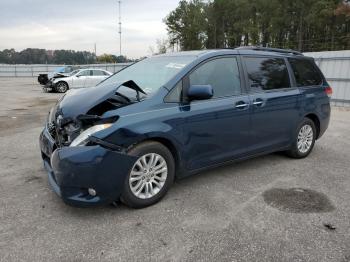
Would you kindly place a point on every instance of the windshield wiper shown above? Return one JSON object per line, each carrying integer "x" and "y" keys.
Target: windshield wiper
{"x": 132, "y": 85}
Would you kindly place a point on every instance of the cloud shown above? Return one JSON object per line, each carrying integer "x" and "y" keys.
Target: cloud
{"x": 79, "y": 24}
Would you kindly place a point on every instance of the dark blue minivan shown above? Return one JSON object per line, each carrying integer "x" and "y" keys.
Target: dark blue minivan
{"x": 173, "y": 115}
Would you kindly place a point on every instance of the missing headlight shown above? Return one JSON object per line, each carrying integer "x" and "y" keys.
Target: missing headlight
{"x": 72, "y": 127}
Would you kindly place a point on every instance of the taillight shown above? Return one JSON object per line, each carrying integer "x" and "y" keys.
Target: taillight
{"x": 329, "y": 91}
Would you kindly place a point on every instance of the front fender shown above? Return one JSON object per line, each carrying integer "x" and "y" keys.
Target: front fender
{"x": 127, "y": 136}
{"x": 164, "y": 133}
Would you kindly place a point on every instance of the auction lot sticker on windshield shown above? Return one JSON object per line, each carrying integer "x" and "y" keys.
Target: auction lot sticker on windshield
{"x": 175, "y": 65}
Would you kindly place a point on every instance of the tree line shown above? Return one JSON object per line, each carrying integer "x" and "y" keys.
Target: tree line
{"x": 69, "y": 57}
{"x": 305, "y": 25}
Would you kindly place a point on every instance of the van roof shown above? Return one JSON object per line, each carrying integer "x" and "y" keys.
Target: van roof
{"x": 244, "y": 50}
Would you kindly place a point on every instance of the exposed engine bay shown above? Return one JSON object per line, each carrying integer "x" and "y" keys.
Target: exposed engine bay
{"x": 65, "y": 126}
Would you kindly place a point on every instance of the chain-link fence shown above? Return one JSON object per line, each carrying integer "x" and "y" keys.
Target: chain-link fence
{"x": 35, "y": 70}
{"x": 334, "y": 64}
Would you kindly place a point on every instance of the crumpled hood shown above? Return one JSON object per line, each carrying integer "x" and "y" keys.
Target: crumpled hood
{"x": 60, "y": 75}
{"x": 55, "y": 75}
{"x": 79, "y": 101}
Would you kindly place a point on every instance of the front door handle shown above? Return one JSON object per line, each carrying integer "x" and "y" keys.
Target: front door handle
{"x": 241, "y": 105}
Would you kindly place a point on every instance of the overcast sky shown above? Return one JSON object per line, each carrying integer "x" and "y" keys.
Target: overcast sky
{"x": 78, "y": 24}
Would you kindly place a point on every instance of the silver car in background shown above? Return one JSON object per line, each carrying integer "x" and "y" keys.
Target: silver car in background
{"x": 77, "y": 79}
{"x": 43, "y": 79}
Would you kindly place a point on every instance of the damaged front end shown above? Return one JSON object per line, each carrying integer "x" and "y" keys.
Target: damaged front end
{"x": 83, "y": 109}
{"x": 49, "y": 84}
{"x": 77, "y": 161}
{"x": 43, "y": 79}
{"x": 67, "y": 131}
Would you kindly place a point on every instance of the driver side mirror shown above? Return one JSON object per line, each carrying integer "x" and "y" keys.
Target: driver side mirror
{"x": 200, "y": 92}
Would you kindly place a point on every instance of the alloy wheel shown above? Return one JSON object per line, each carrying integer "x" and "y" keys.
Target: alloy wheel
{"x": 148, "y": 175}
{"x": 305, "y": 138}
{"x": 61, "y": 87}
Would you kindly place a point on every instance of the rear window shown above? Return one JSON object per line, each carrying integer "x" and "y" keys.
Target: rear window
{"x": 267, "y": 73}
{"x": 305, "y": 72}
{"x": 98, "y": 73}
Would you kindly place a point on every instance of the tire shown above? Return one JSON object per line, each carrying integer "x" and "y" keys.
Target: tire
{"x": 151, "y": 178}
{"x": 303, "y": 148}
{"x": 61, "y": 87}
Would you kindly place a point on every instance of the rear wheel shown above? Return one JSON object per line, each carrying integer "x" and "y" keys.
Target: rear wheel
{"x": 151, "y": 175}
{"x": 304, "y": 139}
{"x": 61, "y": 87}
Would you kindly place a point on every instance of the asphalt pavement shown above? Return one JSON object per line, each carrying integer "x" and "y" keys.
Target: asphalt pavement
{"x": 270, "y": 208}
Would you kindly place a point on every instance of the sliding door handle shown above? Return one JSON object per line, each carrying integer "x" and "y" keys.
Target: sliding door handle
{"x": 258, "y": 102}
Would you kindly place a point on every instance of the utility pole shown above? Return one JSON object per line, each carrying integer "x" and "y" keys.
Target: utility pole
{"x": 120, "y": 28}
{"x": 95, "y": 49}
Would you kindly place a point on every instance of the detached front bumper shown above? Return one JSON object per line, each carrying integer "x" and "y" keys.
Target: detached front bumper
{"x": 73, "y": 170}
{"x": 43, "y": 79}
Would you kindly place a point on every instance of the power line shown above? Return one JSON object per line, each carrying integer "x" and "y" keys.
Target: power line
{"x": 120, "y": 28}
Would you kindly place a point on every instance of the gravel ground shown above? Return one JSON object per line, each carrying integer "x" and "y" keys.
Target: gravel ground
{"x": 271, "y": 208}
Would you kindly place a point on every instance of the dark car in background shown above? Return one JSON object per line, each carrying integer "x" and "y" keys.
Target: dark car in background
{"x": 173, "y": 115}
{"x": 43, "y": 79}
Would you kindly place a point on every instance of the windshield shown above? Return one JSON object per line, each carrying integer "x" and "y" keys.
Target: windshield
{"x": 152, "y": 73}
{"x": 74, "y": 72}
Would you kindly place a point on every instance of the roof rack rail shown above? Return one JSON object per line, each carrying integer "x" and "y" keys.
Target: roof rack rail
{"x": 269, "y": 49}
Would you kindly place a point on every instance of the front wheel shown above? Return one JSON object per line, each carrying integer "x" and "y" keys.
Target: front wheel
{"x": 304, "y": 139}
{"x": 151, "y": 175}
{"x": 61, "y": 87}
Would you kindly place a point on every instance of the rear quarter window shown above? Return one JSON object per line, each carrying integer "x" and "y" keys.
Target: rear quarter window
{"x": 305, "y": 72}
